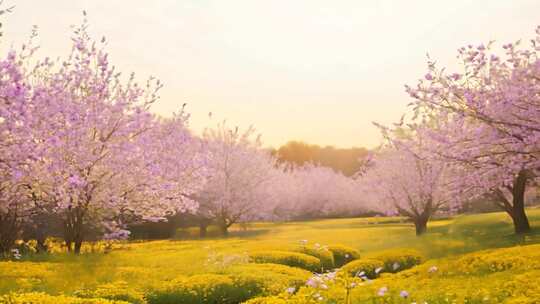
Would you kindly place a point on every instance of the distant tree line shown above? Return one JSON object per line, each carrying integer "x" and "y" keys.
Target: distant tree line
{"x": 344, "y": 160}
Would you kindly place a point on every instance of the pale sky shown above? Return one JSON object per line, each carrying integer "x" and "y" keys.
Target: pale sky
{"x": 311, "y": 70}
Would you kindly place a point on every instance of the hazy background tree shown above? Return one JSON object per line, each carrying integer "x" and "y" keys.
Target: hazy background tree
{"x": 345, "y": 160}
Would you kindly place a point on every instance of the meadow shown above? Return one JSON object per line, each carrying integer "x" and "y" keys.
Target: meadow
{"x": 477, "y": 259}
{"x": 99, "y": 153}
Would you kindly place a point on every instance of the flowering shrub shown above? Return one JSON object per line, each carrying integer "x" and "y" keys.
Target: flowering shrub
{"x": 330, "y": 287}
{"x": 241, "y": 282}
{"x": 396, "y": 260}
{"x": 269, "y": 300}
{"x": 369, "y": 268}
{"x": 523, "y": 289}
{"x": 205, "y": 288}
{"x": 57, "y": 245}
{"x": 322, "y": 253}
{"x": 343, "y": 254}
{"x": 467, "y": 279}
{"x": 113, "y": 291}
{"x": 499, "y": 260}
{"x": 42, "y": 298}
{"x": 445, "y": 281}
{"x": 293, "y": 259}
{"x": 270, "y": 279}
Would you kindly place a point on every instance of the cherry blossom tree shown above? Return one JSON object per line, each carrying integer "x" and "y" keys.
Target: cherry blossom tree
{"x": 312, "y": 191}
{"x": 165, "y": 169}
{"x": 485, "y": 121}
{"x": 402, "y": 181}
{"x": 89, "y": 137}
{"x": 80, "y": 141}
{"x": 240, "y": 174}
{"x": 18, "y": 146}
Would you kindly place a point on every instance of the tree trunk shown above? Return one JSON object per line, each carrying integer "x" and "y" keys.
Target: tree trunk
{"x": 68, "y": 244}
{"x": 9, "y": 230}
{"x": 518, "y": 215}
{"x": 224, "y": 229}
{"x": 78, "y": 245}
{"x": 74, "y": 230}
{"x": 78, "y": 234}
{"x": 203, "y": 229}
{"x": 420, "y": 224}
{"x": 521, "y": 222}
{"x": 68, "y": 230}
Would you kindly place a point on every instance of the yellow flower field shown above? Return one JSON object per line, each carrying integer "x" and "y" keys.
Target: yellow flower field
{"x": 467, "y": 259}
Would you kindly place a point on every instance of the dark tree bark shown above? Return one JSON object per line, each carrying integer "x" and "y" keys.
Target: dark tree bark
{"x": 9, "y": 230}
{"x": 78, "y": 245}
{"x": 518, "y": 215}
{"x": 419, "y": 218}
{"x": 78, "y": 234}
{"x": 74, "y": 230}
{"x": 224, "y": 224}
{"x": 224, "y": 229}
{"x": 420, "y": 224}
{"x": 68, "y": 234}
{"x": 203, "y": 229}
{"x": 521, "y": 222}
{"x": 515, "y": 208}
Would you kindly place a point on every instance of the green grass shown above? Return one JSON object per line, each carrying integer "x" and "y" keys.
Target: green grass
{"x": 146, "y": 265}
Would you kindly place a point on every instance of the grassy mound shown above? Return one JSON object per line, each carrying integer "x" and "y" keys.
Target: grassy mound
{"x": 240, "y": 283}
{"x": 507, "y": 275}
{"x": 396, "y": 260}
{"x": 293, "y": 259}
{"x": 203, "y": 289}
{"x": 119, "y": 291}
{"x": 324, "y": 255}
{"x": 364, "y": 267}
{"x": 269, "y": 279}
{"x": 343, "y": 254}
